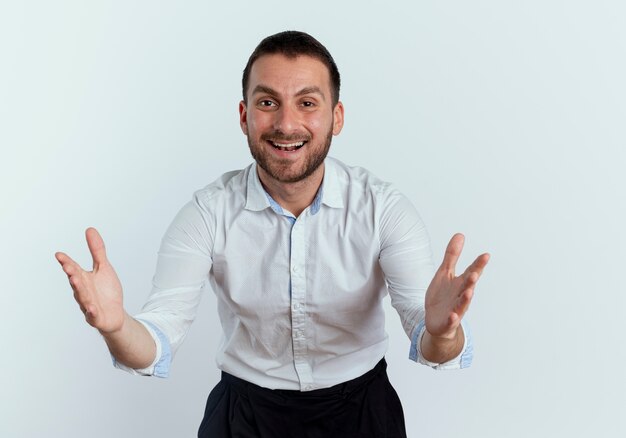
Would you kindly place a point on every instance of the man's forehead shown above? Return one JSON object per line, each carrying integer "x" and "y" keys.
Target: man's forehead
{"x": 280, "y": 71}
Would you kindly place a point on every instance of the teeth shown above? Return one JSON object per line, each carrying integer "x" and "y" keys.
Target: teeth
{"x": 288, "y": 146}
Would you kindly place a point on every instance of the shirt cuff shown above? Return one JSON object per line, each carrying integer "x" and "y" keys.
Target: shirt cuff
{"x": 463, "y": 360}
{"x": 160, "y": 367}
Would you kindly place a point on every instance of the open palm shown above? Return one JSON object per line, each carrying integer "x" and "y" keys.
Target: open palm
{"x": 448, "y": 296}
{"x": 97, "y": 292}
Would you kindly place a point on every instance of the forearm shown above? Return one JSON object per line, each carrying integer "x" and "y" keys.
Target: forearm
{"x": 131, "y": 345}
{"x": 440, "y": 349}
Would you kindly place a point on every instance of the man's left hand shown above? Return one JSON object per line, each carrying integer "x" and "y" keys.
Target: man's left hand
{"x": 447, "y": 299}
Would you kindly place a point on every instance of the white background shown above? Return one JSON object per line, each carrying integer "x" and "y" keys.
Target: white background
{"x": 500, "y": 119}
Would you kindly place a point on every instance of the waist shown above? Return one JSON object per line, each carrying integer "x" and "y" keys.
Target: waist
{"x": 305, "y": 372}
{"x": 341, "y": 389}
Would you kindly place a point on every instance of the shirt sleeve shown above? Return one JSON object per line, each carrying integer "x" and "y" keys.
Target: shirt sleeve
{"x": 463, "y": 360}
{"x": 183, "y": 264}
{"x": 406, "y": 260}
{"x": 160, "y": 366}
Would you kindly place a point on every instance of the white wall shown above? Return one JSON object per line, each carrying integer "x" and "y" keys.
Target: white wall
{"x": 500, "y": 119}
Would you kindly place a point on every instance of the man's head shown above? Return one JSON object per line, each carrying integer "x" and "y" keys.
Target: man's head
{"x": 292, "y": 44}
{"x": 290, "y": 109}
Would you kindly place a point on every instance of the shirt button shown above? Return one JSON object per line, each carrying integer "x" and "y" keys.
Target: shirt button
{"x": 296, "y": 306}
{"x": 308, "y": 387}
{"x": 294, "y": 268}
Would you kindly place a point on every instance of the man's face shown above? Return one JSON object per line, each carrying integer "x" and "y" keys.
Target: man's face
{"x": 289, "y": 118}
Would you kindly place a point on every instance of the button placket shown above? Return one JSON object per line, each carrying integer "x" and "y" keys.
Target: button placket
{"x": 298, "y": 300}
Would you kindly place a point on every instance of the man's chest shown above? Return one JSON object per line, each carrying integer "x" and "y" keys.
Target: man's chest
{"x": 265, "y": 263}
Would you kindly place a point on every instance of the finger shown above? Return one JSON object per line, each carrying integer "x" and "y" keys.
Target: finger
{"x": 474, "y": 271}
{"x": 479, "y": 264}
{"x": 464, "y": 302}
{"x": 96, "y": 247}
{"x": 469, "y": 282}
{"x": 90, "y": 313}
{"x": 453, "y": 251}
{"x": 69, "y": 266}
{"x": 93, "y": 315}
{"x": 452, "y": 323}
{"x": 83, "y": 297}
{"x": 454, "y": 320}
{"x": 78, "y": 285}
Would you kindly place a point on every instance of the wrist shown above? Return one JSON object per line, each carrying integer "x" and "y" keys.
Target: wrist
{"x": 440, "y": 349}
{"x": 446, "y": 338}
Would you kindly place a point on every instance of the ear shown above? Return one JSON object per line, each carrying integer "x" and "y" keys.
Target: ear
{"x": 243, "y": 117}
{"x": 337, "y": 118}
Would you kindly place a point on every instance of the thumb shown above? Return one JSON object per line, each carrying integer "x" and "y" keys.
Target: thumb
{"x": 96, "y": 247}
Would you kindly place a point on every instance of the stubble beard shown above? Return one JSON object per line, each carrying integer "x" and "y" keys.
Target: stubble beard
{"x": 279, "y": 169}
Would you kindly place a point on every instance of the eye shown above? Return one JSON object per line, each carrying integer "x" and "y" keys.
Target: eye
{"x": 308, "y": 104}
{"x": 266, "y": 103}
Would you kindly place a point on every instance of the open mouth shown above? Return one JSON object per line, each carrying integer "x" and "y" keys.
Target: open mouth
{"x": 287, "y": 147}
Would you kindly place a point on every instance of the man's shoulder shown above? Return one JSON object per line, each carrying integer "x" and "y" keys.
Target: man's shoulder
{"x": 356, "y": 177}
{"x": 361, "y": 189}
{"x": 230, "y": 185}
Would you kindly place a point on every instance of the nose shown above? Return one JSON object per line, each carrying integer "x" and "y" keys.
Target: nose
{"x": 287, "y": 119}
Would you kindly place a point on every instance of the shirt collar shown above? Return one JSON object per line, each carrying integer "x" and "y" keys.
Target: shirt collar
{"x": 255, "y": 193}
{"x": 258, "y": 199}
{"x": 331, "y": 193}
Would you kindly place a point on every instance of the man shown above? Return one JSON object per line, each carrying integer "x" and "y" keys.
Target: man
{"x": 300, "y": 250}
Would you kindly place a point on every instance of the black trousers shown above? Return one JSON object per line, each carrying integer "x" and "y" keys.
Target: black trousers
{"x": 366, "y": 407}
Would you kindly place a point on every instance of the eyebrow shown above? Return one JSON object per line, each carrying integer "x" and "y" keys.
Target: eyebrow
{"x": 306, "y": 90}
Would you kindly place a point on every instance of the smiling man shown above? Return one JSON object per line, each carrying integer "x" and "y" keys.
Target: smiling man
{"x": 300, "y": 250}
{"x": 290, "y": 112}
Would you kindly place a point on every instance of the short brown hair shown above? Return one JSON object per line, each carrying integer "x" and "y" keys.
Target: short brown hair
{"x": 291, "y": 44}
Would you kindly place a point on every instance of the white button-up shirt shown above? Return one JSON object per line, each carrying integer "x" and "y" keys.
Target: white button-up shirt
{"x": 299, "y": 299}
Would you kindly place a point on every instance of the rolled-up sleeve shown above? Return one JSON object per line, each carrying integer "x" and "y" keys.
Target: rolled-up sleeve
{"x": 160, "y": 366}
{"x": 406, "y": 260}
{"x": 183, "y": 265}
{"x": 463, "y": 360}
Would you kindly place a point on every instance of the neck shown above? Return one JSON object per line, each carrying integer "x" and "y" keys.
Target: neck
{"x": 293, "y": 197}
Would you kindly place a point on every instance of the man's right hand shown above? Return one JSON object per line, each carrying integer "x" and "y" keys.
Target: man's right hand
{"x": 97, "y": 292}
{"x": 99, "y": 295}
